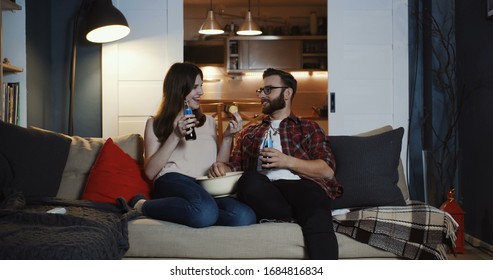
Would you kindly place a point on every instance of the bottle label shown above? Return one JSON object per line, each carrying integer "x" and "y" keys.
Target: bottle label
{"x": 191, "y": 135}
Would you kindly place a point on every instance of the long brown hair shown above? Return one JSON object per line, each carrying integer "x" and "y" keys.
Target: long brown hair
{"x": 178, "y": 83}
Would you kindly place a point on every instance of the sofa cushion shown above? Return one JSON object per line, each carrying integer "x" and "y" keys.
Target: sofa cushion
{"x": 83, "y": 154}
{"x": 36, "y": 159}
{"x": 151, "y": 238}
{"x": 402, "y": 184}
{"x": 161, "y": 239}
{"x": 115, "y": 174}
{"x": 367, "y": 167}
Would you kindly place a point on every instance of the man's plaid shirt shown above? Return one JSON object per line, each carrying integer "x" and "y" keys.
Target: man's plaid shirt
{"x": 300, "y": 138}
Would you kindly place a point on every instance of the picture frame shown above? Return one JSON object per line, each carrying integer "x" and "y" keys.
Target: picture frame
{"x": 489, "y": 9}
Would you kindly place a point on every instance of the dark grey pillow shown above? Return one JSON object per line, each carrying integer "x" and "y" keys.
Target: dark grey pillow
{"x": 34, "y": 158}
{"x": 366, "y": 167}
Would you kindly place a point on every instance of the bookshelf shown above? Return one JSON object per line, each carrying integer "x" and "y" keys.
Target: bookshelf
{"x": 13, "y": 98}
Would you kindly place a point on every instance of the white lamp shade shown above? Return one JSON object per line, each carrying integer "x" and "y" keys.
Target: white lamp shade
{"x": 210, "y": 25}
{"x": 108, "y": 33}
{"x": 249, "y": 27}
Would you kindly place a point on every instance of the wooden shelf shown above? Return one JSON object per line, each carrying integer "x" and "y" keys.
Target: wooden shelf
{"x": 9, "y": 5}
{"x": 313, "y": 54}
{"x": 11, "y": 68}
{"x": 276, "y": 37}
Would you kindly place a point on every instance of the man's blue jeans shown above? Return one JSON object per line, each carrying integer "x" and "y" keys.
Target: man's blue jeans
{"x": 180, "y": 199}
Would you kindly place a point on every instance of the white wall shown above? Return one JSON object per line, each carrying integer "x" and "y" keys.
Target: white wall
{"x": 14, "y": 48}
{"x": 134, "y": 67}
{"x": 368, "y": 66}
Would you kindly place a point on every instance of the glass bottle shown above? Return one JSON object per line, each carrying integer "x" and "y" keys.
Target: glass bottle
{"x": 268, "y": 140}
{"x": 267, "y": 143}
{"x": 188, "y": 111}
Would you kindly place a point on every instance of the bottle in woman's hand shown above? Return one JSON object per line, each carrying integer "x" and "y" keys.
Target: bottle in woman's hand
{"x": 191, "y": 135}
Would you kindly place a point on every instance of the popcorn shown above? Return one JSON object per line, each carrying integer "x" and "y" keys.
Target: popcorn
{"x": 233, "y": 109}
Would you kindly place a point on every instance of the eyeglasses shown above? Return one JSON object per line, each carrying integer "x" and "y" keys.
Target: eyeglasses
{"x": 267, "y": 90}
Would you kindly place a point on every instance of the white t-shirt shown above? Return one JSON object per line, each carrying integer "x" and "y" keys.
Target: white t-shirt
{"x": 275, "y": 173}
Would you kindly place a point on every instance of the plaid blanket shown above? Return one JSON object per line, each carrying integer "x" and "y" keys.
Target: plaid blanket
{"x": 415, "y": 231}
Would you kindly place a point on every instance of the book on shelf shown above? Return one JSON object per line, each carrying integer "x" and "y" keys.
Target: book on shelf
{"x": 9, "y": 103}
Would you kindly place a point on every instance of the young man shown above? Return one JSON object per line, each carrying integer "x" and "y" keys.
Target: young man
{"x": 289, "y": 167}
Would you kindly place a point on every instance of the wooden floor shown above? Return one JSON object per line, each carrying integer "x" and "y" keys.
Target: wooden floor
{"x": 472, "y": 253}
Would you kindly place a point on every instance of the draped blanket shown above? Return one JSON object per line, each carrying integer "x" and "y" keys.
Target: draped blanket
{"x": 415, "y": 231}
{"x": 88, "y": 230}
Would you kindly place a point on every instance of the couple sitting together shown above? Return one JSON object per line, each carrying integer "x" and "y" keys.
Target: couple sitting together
{"x": 291, "y": 180}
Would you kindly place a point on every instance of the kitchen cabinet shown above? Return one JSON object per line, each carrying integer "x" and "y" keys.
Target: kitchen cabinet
{"x": 205, "y": 52}
{"x": 256, "y": 53}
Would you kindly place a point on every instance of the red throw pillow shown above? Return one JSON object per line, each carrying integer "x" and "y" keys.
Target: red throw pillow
{"x": 115, "y": 174}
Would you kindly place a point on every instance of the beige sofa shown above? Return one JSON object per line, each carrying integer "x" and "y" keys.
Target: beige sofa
{"x": 159, "y": 239}
{"x": 39, "y": 164}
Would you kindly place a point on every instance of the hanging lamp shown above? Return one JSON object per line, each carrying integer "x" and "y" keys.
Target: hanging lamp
{"x": 105, "y": 23}
{"x": 249, "y": 27}
{"x": 210, "y": 25}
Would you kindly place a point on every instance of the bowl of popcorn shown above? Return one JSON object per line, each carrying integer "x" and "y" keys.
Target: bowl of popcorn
{"x": 220, "y": 186}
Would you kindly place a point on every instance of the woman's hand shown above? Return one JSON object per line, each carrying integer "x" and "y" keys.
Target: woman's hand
{"x": 184, "y": 124}
{"x": 218, "y": 169}
{"x": 234, "y": 125}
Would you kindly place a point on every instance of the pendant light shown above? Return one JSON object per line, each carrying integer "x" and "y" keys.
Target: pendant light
{"x": 249, "y": 27}
{"x": 105, "y": 23}
{"x": 210, "y": 25}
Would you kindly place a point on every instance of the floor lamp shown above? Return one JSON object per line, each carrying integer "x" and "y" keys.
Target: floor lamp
{"x": 105, "y": 23}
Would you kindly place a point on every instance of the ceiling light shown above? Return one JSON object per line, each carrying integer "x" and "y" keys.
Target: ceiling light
{"x": 249, "y": 27}
{"x": 210, "y": 25}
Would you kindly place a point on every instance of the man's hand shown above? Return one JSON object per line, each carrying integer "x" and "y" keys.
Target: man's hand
{"x": 218, "y": 169}
{"x": 316, "y": 168}
{"x": 273, "y": 158}
{"x": 234, "y": 125}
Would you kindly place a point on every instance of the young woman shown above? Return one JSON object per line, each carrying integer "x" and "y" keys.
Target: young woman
{"x": 174, "y": 162}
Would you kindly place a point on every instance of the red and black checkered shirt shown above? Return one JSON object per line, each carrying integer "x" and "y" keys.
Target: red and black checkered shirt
{"x": 300, "y": 138}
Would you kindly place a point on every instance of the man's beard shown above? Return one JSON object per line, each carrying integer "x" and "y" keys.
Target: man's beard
{"x": 274, "y": 105}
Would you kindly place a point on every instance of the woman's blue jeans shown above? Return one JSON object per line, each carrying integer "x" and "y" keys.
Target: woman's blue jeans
{"x": 180, "y": 199}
